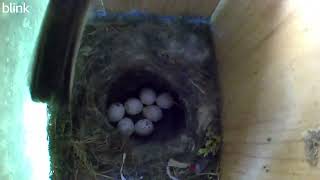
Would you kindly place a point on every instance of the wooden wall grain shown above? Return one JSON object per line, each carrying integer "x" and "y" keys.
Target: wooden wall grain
{"x": 269, "y": 63}
{"x": 161, "y": 7}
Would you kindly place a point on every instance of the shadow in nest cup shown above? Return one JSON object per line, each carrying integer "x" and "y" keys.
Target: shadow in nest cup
{"x": 130, "y": 84}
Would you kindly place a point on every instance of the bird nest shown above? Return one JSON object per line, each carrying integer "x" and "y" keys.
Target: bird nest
{"x": 115, "y": 61}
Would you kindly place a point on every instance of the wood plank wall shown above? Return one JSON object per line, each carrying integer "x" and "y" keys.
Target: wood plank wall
{"x": 268, "y": 54}
{"x": 161, "y": 7}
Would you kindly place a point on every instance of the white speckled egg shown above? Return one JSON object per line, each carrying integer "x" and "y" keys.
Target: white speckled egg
{"x": 165, "y": 101}
{"x": 152, "y": 112}
{"x": 116, "y": 112}
{"x": 144, "y": 127}
{"x": 126, "y": 126}
{"x": 147, "y": 96}
{"x": 133, "y": 106}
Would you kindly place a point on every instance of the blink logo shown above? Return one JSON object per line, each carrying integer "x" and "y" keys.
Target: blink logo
{"x": 14, "y": 8}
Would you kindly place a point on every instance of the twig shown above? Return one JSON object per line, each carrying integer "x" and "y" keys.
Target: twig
{"x": 197, "y": 86}
{"x": 121, "y": 169}
{"x": 170, "y": 175}
{"x": 101, "y": 1}
{"x": 76, "y": 174}
{"x": 203, "y": 174}
{"x": 105, "y": 176}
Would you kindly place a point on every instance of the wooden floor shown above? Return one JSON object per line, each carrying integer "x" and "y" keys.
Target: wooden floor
{"x": 268, "y": 54}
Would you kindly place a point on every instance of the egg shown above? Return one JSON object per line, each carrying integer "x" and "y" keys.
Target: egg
{"x": 152, "y": 112}
{"x": 126, "y": 126}
{"x": 144, "y": 127}
{"x": 116, "y": 112}
{"x": 133, "y": 106}
{"x": 164, "y": 101}
{"x": 147, "y": 96}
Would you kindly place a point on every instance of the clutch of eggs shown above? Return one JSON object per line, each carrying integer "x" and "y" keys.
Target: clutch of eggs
{"x": 152, "y": 112}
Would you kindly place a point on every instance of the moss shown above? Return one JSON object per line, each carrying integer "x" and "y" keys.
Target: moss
{"x": 59, "y": 134}
{"x": 212, "y": 144}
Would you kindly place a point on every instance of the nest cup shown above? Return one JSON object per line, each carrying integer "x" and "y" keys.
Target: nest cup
{"x": 147, "y": 55}
{"x": 130, "y": 83}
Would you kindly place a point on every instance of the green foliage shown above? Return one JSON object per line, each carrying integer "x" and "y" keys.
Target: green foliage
{"x": 212, "y": 144}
